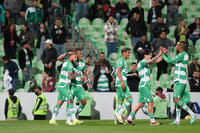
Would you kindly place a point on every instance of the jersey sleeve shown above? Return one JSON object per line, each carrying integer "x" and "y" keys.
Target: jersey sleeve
{"x": 168, "y": 59}
{"x": 120, "y": 63}
{"x": 143, "y": 63}
{"x": 68, "y": 67}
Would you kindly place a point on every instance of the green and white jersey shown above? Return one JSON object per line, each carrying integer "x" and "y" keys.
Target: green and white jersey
{"x": 144, "y": 71}
{"x": 79, "y": 67}
{"x": 103, "y": 84}
{"x": 121, "y": 62}
{"x": 181, "y": 61}
{"x": 64, "y": 74}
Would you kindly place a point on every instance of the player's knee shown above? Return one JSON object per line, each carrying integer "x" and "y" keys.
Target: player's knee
{"x": 60, "y": 103}
{"x": 176, "y": 100}
{"x": 129, "y": 100}
{"x": 83, "y": 102}
{"x": 71, "y": 101}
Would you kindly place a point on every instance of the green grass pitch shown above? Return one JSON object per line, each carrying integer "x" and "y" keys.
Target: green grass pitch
{"x": 97, "y": 126}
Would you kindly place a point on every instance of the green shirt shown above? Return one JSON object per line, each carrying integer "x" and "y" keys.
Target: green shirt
{"x": 34, "y": 15}
{"x": 79, "y": 67}
{"x": 103, "y": 84}
{"x": 181, "y": 61}
{"x": 160, "y": 106}
{"x": 121, "y": 63}
{"x": 64, "y": 74}
{"x": 143, "y": 70}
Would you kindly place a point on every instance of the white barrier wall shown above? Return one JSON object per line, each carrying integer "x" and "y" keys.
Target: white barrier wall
{"x": 104, "y": 104}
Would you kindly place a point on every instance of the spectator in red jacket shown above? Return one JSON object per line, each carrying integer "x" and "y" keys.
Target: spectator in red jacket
{"x": 108, "y": 10}
{"x": 48, "y": 83}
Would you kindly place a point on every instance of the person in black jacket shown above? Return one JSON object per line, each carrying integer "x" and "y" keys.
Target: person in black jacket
{"x": 10, "y": 42}
{"x": 12, "y": 104}
{"x": 194, "y": 30}
{"x": 26, "y": 36}
{"x": 25, "y": 56}
{"x": 42, "y": 35}
{"x": 136, "y": 28}
{"x": 133, "y": 78}
{"x": 13, "y": 69}
{"x": 54, "y": 12}
{"x": 121, "y": 10}
{"x": 137, "y": 9}
{"x": 153, "y": 13}
{"x": 66, "y": 4}
{"x": 195, "y": 82}
{"x": 49, "y": 58}
{"x": 59, "y": 35}
{"x": 158, "y": 27}
{"x": 140, "y": 48}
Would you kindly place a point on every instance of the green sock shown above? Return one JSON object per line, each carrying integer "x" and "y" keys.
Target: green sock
{"x": 118, "y": 106}
{"x": 178, "y": 113}
{"x": 131, "y": 115}
{"x": 185, "y": 107}
{"x": 151, "y": 116}
{"x": 68, "y": 113}
{"x": 55, "y": 111}
{"x": 72, "y": 110}
{"x": 80, "y": 108}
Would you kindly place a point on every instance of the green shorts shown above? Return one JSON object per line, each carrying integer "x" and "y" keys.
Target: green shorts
{"x": 78, "y": 91}
{"x": 64, "y": 93}
{"x": 145, "y": 95}
{"x": 123, "y": 93}
{"x": 179, "y": 90}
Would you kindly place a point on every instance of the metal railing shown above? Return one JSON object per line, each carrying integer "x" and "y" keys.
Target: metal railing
{"x": 74, "y": 24}
{"x": 68, "y": 17}
{"x": 91, "y": 47}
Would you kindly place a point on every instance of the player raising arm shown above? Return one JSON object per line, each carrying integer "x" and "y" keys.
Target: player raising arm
{"x": 145, "y": 95}
{"x": 180, "y": 80}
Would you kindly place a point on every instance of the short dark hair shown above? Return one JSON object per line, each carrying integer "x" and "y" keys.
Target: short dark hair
{"x": 77, "y": 49}
{"x": 125, "y": 49}
{"x": 11, "y": 92}
{"x": 133, "y": 63}
{"x": 88, "y": 56}
{"x": 38, "y": 87}
{"x": 197, "y": 18}
{"x": 138, "y": 1}
{"x": 5, "y": 58}
{"x": 147, "y": 52}
{"x": 183, "y": 45}
{"x": 159, "y": 89}
{"x": 107, "y": 2}
{"x": 24, "y": 43}
{"x": 101, "y": 53}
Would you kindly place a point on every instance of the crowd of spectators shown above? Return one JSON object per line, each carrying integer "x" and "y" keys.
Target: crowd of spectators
{"x": 44, "y": 21}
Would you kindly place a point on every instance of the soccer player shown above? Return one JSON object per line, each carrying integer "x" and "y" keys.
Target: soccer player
{"x": 121, "y": 85}
{"x": 180, "y": 80}
{"x": 77, "y": 83}
{"x": 145, "y": 95}
{"x": 66, "y": 75}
